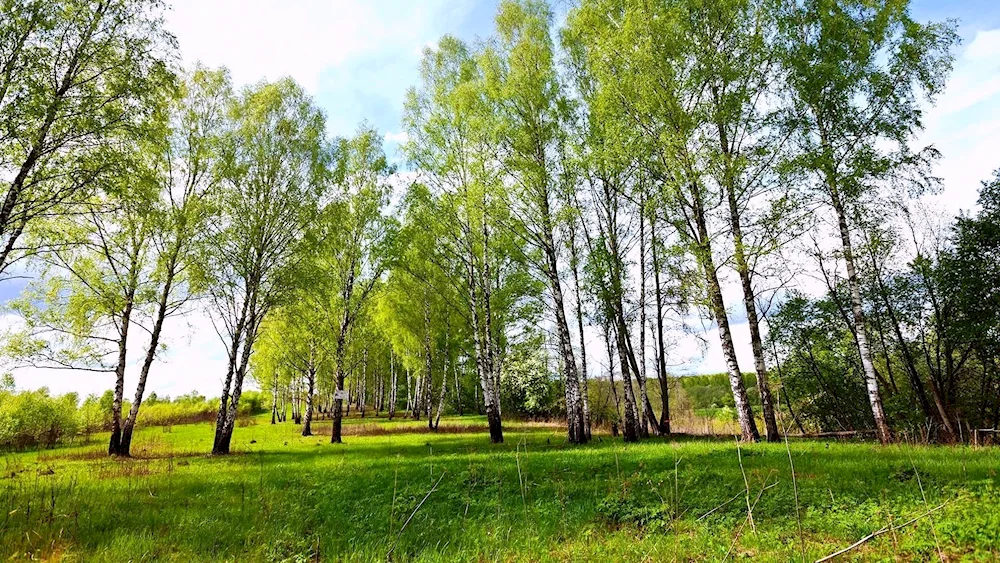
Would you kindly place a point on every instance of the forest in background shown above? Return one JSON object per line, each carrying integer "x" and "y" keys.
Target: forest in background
{"x": 571, "y": 189}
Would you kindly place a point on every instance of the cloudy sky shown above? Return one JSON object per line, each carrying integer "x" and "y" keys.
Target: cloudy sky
{"x": 358, "y": 57}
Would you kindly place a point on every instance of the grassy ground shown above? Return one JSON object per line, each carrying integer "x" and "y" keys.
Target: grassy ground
{"x": 287, "y": 498}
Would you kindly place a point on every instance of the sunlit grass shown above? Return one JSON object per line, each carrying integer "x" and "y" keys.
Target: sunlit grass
{"x": 284, "y": 497}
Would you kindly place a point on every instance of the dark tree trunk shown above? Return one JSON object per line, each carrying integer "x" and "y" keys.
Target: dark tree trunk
{"x": 274, "y": 398}
{"x": 114, "y": 447}
{"x": 908, "y": 362}
{"x": 584, "y": 384}
{"x": 125, "y": 446}
{"x": 237, "y": 338}
{"x": 224, "y": 438}
{"x": 458, "y": 389}
{"x": 338, "y": 403}
{"x": 661, "y": 360}
{"x": 491, "y": 370}
{"x": 648, "y": 417}
{"x": 393, "y": 377}
{"x": 484, "y": 366}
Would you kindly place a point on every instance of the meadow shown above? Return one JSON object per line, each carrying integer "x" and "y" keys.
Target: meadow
{"x": 394, "y": 491}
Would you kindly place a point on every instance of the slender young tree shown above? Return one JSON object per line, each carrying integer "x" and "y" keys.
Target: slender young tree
{"x": 735, "y": 57}
{"x": 93, "y": 287}
{"x": 186, "y": 167}
{"x": 274, "y": 171}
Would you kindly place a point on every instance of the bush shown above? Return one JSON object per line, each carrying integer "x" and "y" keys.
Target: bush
{"x": 34, "y": 418}
{"x": 95, "y": 413}
{"x": 252, "y": 402}
{"x": 162, "y": 413}
{"x": 528, "y": 388}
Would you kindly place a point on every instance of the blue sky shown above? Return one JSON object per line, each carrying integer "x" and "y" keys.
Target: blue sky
{"x": 359, "y": 57}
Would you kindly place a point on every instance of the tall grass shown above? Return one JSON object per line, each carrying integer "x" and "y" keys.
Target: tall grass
{"x": 283, "y": 497}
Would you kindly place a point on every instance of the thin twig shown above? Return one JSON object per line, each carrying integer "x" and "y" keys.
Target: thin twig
{"x": 520, "y": 480}
{"x": 746, "y": 483}
{"x": 738, "y": 495}
{"x": 878, "y": 533}
{"x": 749, "y": 517}
{"x": 388, "y": 555}
{"x": 795, "y": 485}
{"x": 924, "y": 496}
{"x": 710, "y": 512}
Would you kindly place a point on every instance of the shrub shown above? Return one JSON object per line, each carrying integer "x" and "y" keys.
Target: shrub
{"x": 33, "y": 418}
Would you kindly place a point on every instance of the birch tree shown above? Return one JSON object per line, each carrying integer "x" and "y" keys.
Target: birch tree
{"x": 186, "y": 173}
{"x": 735, "y": 57}
{"x": 128, "y": 261}
{"x": 658, "y": 101}
{"x": 857, "y": 72}
{"x": 297, "y": 339}
{"x": 274, "y": 170}
{"x": 529, "y": 113}
{"x": 472, "y": 248}
{"x": 77, "y": 81}
{"x": 356, "y": 237}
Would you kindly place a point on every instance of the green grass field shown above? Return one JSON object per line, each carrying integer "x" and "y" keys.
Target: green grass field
{"x": 283, "y": 497}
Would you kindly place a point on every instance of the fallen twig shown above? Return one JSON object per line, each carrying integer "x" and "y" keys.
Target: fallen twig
{"x": 879, "y": 532}
{"x": 750, "y": 508}
{"x": 709, "y": 513}
{"x": 388, "y": 555}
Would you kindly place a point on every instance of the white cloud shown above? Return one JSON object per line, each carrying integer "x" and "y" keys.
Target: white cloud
{"x": 304, "y": 39}
{"x": 985, "y": 48}
{"x": 965, "y": 123}
{"x": 193, "y": 359}
{"x": 400, "y": 137}
{"x": 356, "y": 57}
{"x": 267, "y": 39}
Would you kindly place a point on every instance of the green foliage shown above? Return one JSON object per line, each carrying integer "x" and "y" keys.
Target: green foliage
{"x": 188, "y": 410}
{"x": 968, "y": 272}
{"x": 639, "y": 511}
{"x": 713, "y": 391}
{"x": 82, "y": 84}
{"x": 35, "y": 418}
{"x": 528, "y": 387}
{"x": 820, "y": 370}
